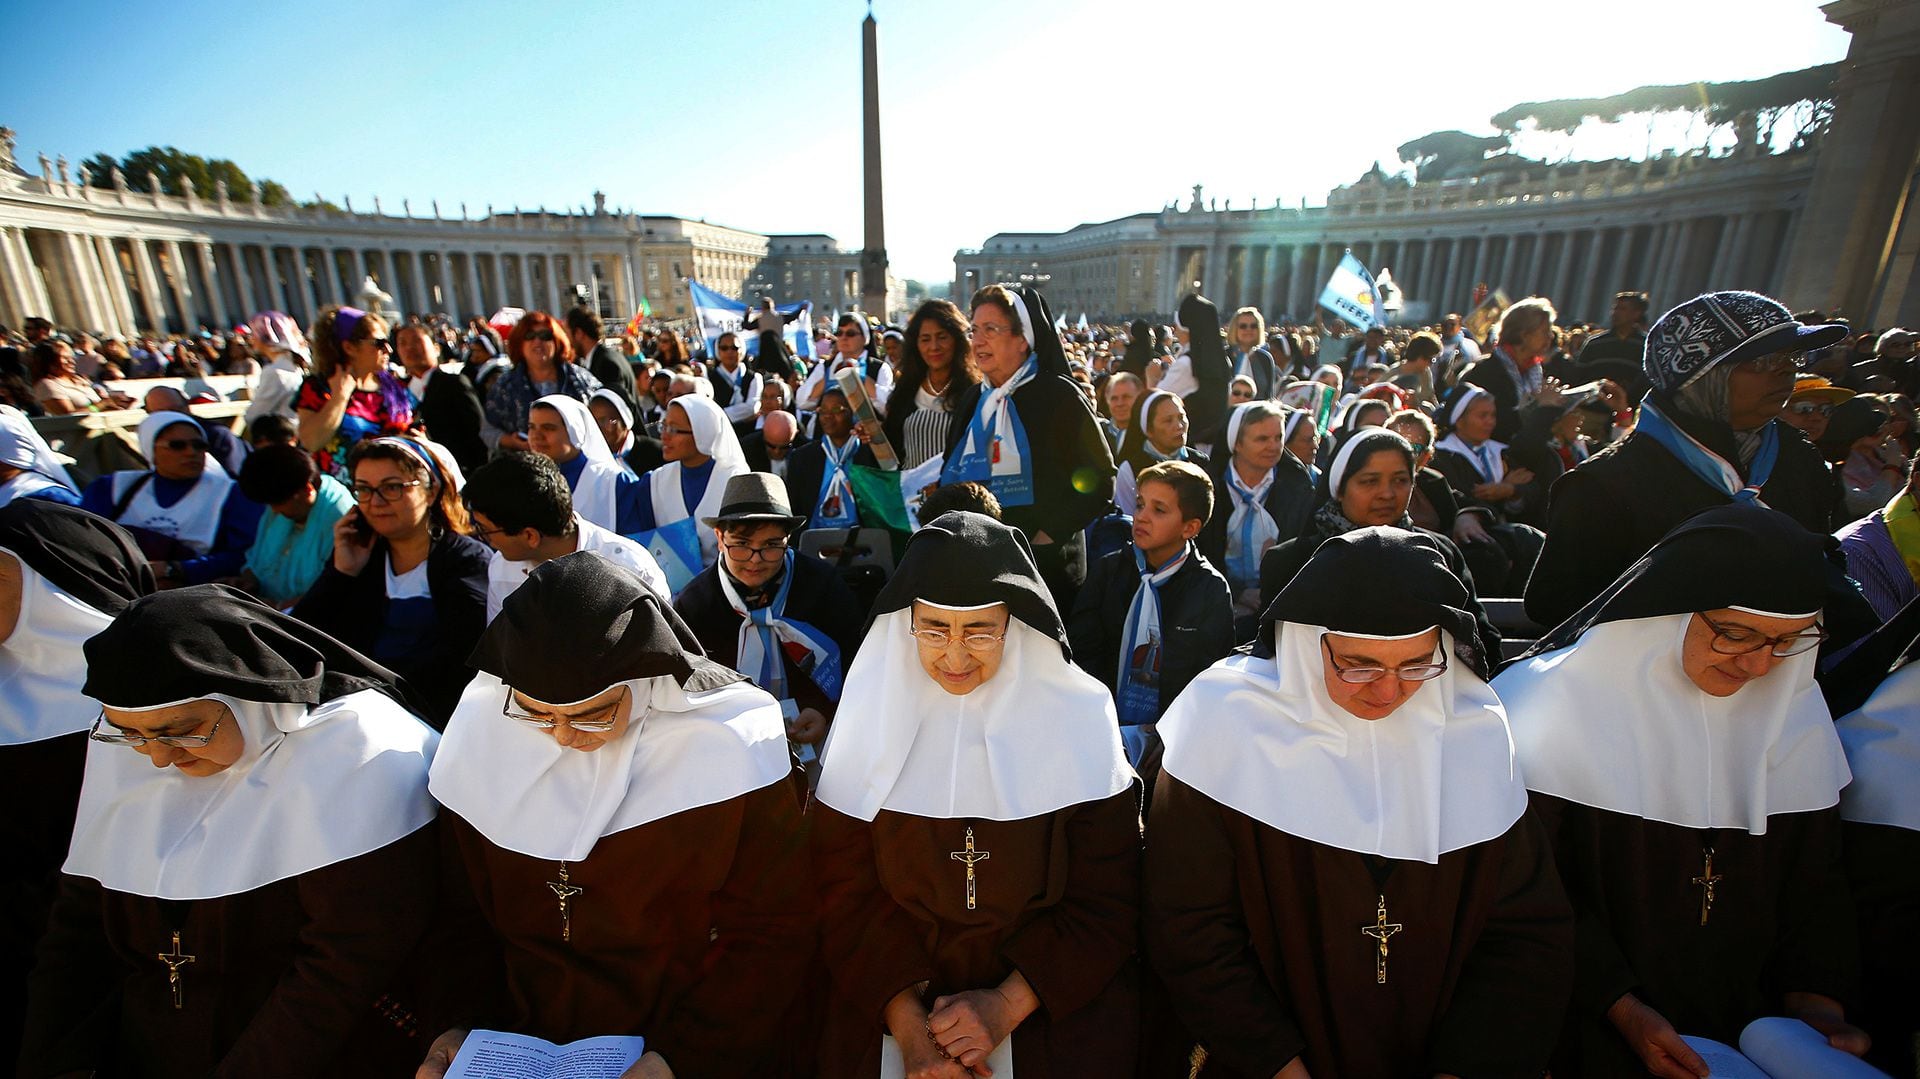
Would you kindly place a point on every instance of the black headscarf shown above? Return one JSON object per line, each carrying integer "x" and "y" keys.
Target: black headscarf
{"x": 1851, "y": 680}
{"x": 1850, "y": 421}
{"x": 1207, "y": 405}
{"x": 1046, "y": 340}
{"x": 1139, "y": 348}
{"x": 192, "y": 642}
{"x": 1736, "y": 555}
{"x": 1381, "y": 581}
{"x": 580, "y": 624}
{"x": 86, "y": 556}
{"x": 966, "y": 559}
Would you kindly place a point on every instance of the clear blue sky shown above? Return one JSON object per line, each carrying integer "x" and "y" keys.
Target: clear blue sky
{"x": 997, "y": 115}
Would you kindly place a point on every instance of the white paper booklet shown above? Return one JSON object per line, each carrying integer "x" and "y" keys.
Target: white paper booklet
{"x": 1781, "y": 1049}
{"x": 495, "y": 1054}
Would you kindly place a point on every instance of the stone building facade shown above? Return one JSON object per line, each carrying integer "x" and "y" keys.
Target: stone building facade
{"x": 124, "y": 260}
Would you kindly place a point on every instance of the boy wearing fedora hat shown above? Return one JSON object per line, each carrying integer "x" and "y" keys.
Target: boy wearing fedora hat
{"x": 780, "y": 617}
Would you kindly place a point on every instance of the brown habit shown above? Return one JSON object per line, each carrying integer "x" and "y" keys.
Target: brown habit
{"x": 287, "y": 979}
{"x": 1058, "y": 899}
{"x": 1257, "y": 935}
{"x": 692, "y": 931}
{"x": 1781, "y": 922}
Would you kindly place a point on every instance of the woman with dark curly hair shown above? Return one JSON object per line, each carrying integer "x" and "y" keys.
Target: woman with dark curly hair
{"x": 936, "y": 370}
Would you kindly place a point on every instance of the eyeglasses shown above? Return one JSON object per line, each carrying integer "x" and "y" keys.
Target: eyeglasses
{"x": 1808, "y": 408}
{"x": 988, "y": 329}
{"x": 1360, "y": 676}
{"x": 849, "y": 332}
{"x": 380, "y": 344}
{"x": 670, "y": 429}
{"x": 541, "y": 335}
{"x": 390, "y": 491}
{"x": 728, "y": 348}
{"x": 1743, "y": 641}
{"x": 179, "y": 444}
{"x": 177, "y": 741}
{"x": 581, "y": 724}
{"x": 771, "y": 552}
{"x": 1771, "y": 365}
{"x": 940, "y": 639}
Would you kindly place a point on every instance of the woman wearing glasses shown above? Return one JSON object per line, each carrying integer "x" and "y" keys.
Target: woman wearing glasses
{"x": 977, "y": 839}
{"x": 540, "y": 350}
{"x": 188, "y": 515}
{"x": 253, "y": 867}
{"x": 1687, "y": 767}
{"x": 1343, "y": 877}
{"x": 619, "y": 805}
{"x": 407, "y": 584}
{"x": 352, "y": 393}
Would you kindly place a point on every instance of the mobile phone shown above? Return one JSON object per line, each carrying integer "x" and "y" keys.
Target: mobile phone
{"x": 362, "y": 528}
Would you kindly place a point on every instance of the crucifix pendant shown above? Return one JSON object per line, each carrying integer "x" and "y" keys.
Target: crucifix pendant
{"x": 174, "y": 962}
{"x": 971, "y": 857}
{"x": 1706, "y": 880}
{"x": 1379, "y": 931}
{"x": 564, "y": 891}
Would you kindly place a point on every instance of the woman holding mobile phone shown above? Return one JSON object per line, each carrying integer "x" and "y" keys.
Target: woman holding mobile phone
{"x": 407, "y": 584}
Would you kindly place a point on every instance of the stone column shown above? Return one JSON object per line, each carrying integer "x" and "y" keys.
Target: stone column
{"x": 357, "y": 267}
{"x": 1840, "y": 252}
{"x": 1670, "y": 278}
{"x": 309, "y": 287}
{"x": 1569, "y": 260}
{"x": 1269, "y": 277}
{"x": 1449, "y": 294}
{"x": 16, "y": 299}
{"x": 210, "y": 273}
{"x": 1481, "y": 268}
{"x": 1739, "y": 252}
{"x": 32, "y": 281}
{"x": 423, "y": 297}
{"x": 473, "y": 285}
{"x": 183, "y": 293}
{"x": 1729, "y": 265}
{"x": 143, "y": 271}
{"x": 89, "y": 292}
{"x": 526, "y": 281}
{"x": 243, "y": 281}
{"x": 113, "y": 284}
{"x": 552, "y": 266}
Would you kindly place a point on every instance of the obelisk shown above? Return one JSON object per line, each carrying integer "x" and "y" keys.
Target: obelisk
{"x": 873, "y": 256}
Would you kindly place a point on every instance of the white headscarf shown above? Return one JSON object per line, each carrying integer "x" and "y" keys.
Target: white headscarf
{"x": 22, "y": 447}
{"x": 41, "y": 665}
{"x": 593, "y": 496}
{"x": 1882, "y": 740}
{"x": 1263, "y": 737}
{"x": 1039, "y": 736}
{"x": 1612, "y": 721}
{"x": 313, "y": 787}
{"x": 620, "y": 409}
{"x": 712, "y": 435}
{"x": 528, "y": 794}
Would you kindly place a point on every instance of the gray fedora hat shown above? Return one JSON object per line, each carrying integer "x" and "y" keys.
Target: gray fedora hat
{"x": 755, "y": 496}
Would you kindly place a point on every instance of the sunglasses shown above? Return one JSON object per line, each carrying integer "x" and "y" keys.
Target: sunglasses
{"x": 179, "y": 444}
{"x": 381, "y": 344}
{"x": 1805, "y": 408}
{"x": 540, "y": 335}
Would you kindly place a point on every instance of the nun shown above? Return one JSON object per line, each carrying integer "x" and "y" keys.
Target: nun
{"x": 1156, "y": 431}
{"x": 1030, "y": 435}
{"x": 853, "y": 351}
{"x": 1368, "y": 484}
{"x": 1268, "y": 498}
{"x": 28, "y": 466}
{"x": 702, "y": 453}
{"x": 1875, "y": 691}
{"x": 186, "y": 512}
{"x": 605, "y": 491}
{"x": 977, "y": 833}
{"x": 252, "y": 866}
{"x": 64, "y": 574}
{"x": 618, "y": 811}
{"x": 1343, "y": 878}
{"x": 1687, "y": 768}
{"x": 1210, "y": 370}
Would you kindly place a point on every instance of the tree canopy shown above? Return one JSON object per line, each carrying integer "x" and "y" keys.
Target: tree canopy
{"x": 176, "y": 169}
{"x": 1718, "y": 102}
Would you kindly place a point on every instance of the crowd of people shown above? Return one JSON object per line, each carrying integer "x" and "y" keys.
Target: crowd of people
{"x": 1226, "y": 698}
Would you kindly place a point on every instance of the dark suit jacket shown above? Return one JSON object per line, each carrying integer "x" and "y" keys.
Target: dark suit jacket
{"x": 818, "y": 597}
{"x": 806, "y": 465}
{"x": 1290, "y": 500}
{"x": 1196, "y": 620}
{"x": 1491, "y": 375}
{"x": 452, "y": 413}
{"x": 753, "y": 446}
{"x": 610, "y": 366}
